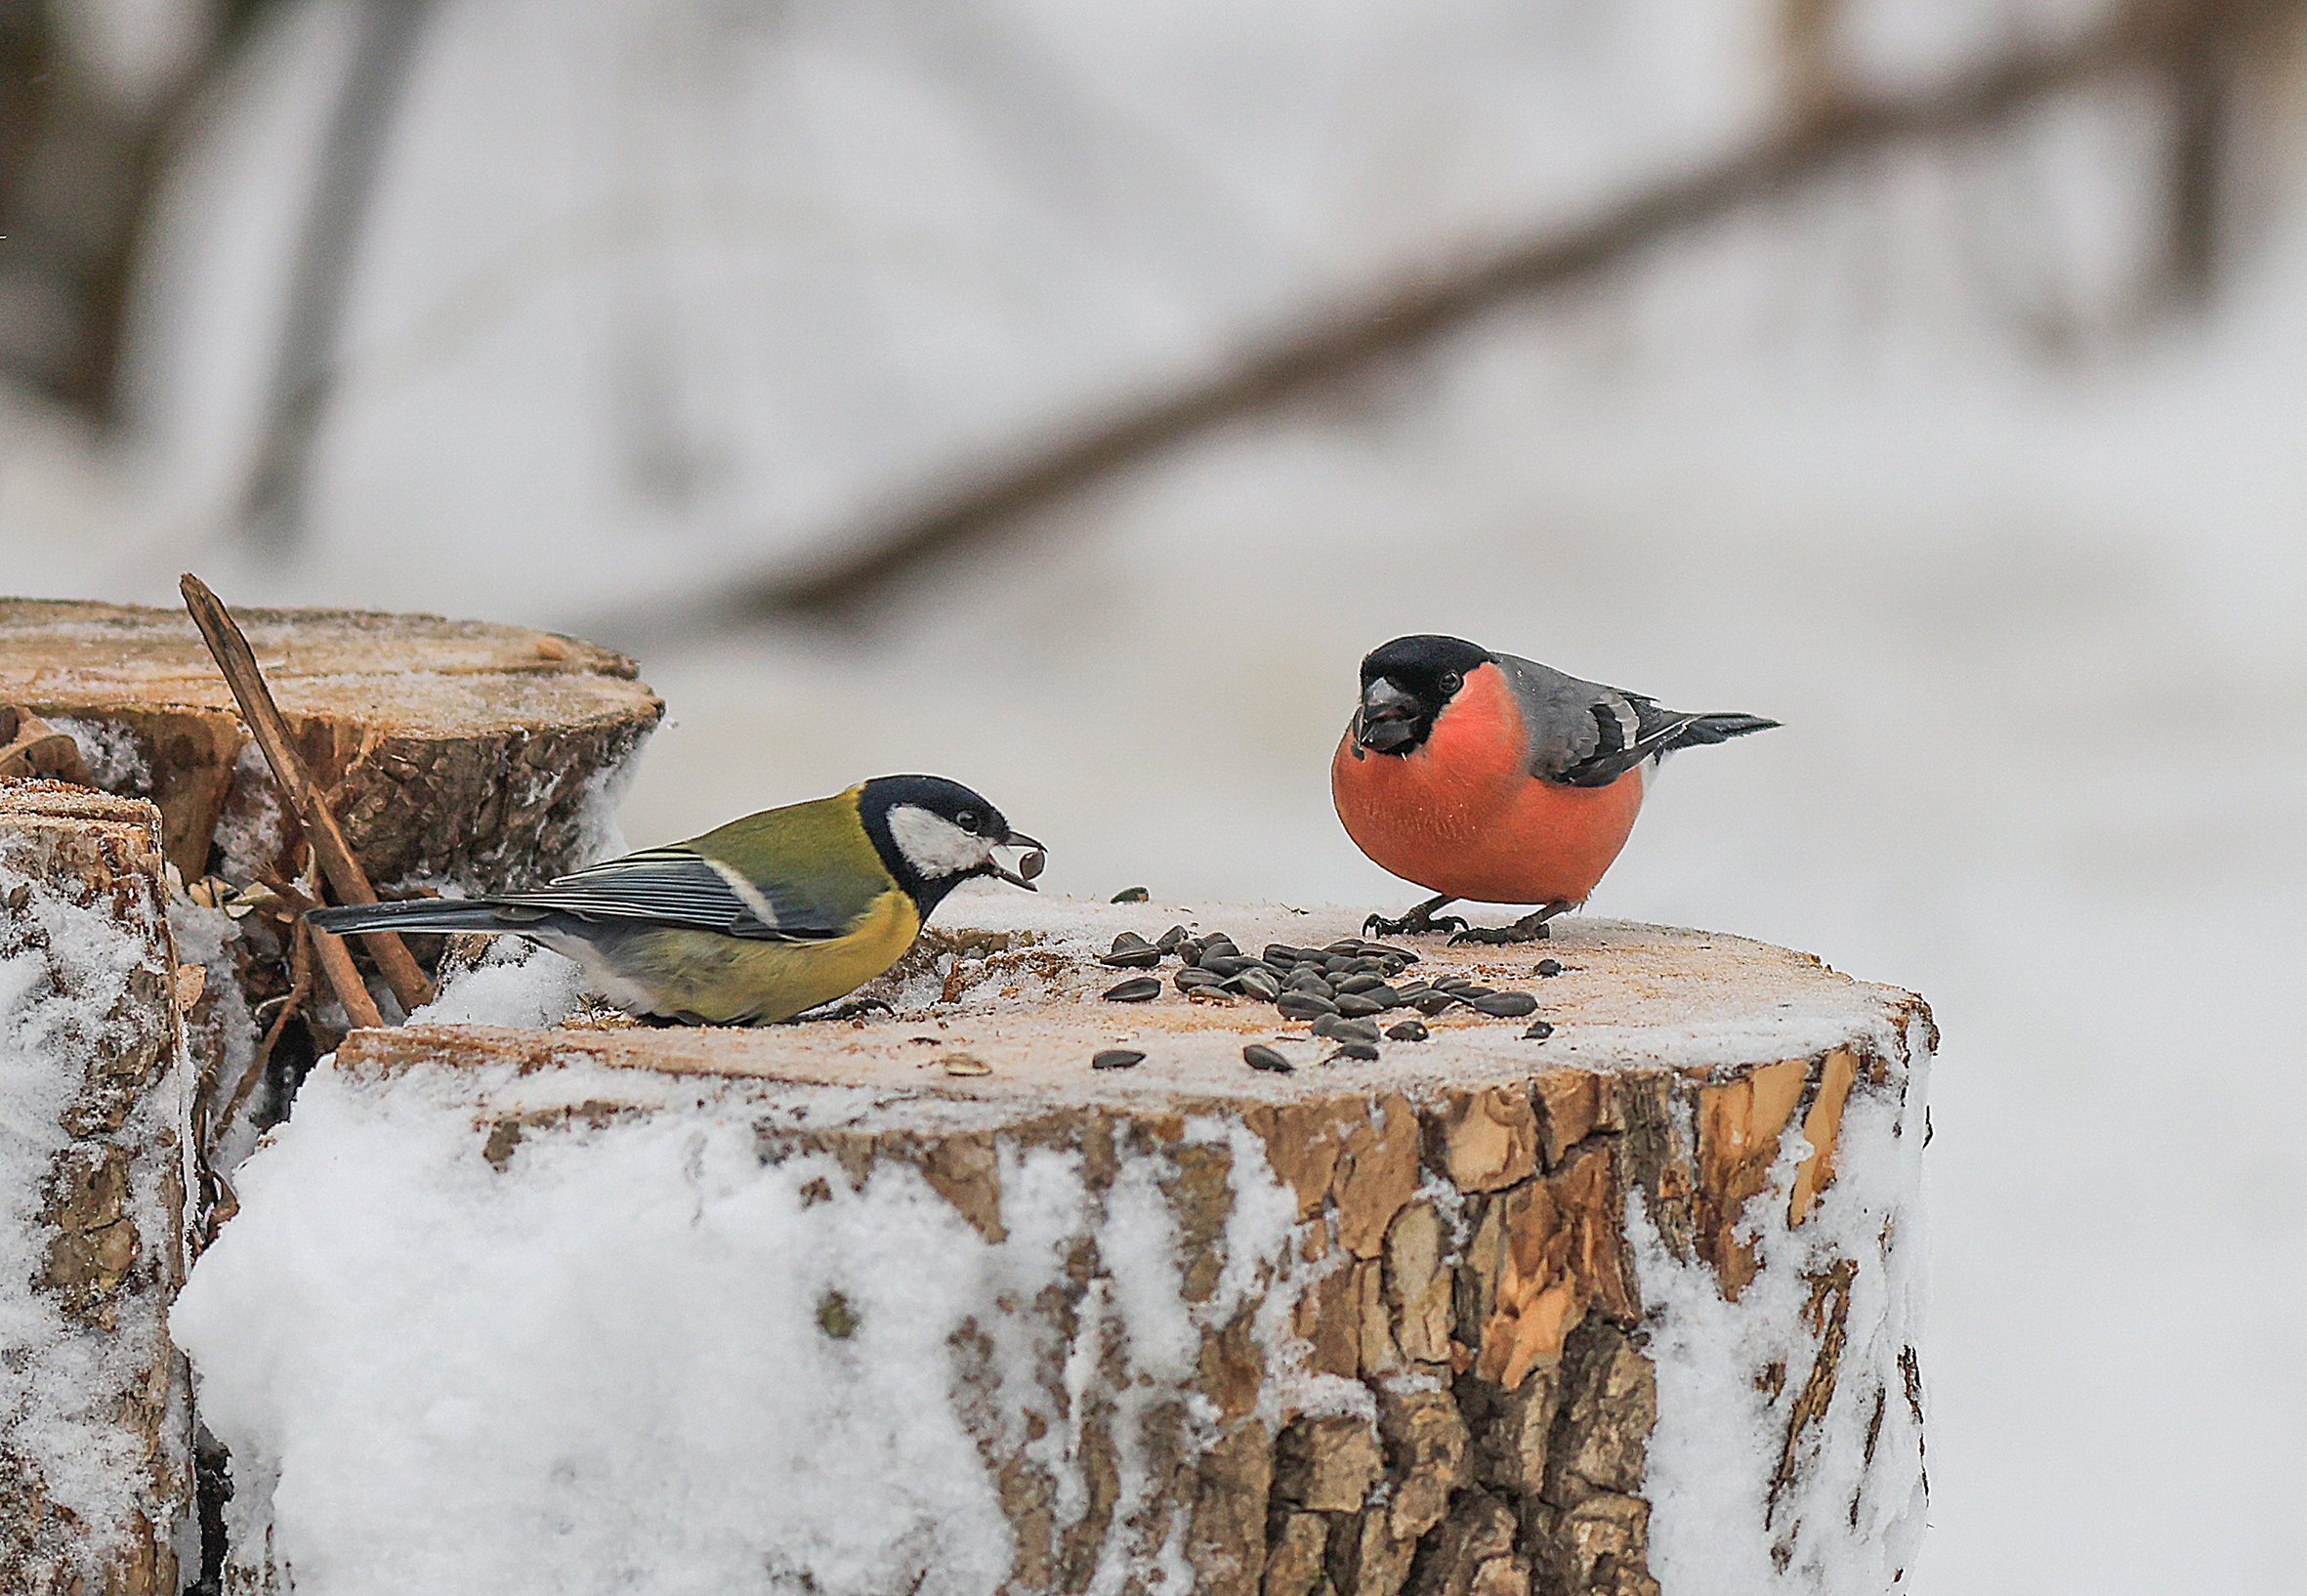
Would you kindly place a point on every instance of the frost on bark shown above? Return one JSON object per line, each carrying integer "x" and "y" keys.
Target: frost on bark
{"x": 94, "y": 1428}
{"x": 1428, "y": 1299}
{"x": 458, "y": 751}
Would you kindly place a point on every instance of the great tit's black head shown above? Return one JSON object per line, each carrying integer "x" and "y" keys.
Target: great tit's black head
{"x": 934, "y": 834}
{"x": 1406, "y": 684}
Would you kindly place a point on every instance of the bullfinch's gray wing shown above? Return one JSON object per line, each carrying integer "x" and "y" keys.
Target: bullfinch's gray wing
{"x": 1584, "y": 734}
{"x": 659, "y": 886}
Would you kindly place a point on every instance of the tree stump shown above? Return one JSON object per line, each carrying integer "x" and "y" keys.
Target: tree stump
{"x": 93, "y": 1424}
{"x": 931, "y": 1304}
{"x": 459, "y": 750}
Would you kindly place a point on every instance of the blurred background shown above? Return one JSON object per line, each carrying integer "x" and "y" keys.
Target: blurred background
{"x": 1062, "y": 397}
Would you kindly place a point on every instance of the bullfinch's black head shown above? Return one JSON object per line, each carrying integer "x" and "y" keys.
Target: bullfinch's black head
{"x": 933, "y": 834}
{"x": 1406, "y": 684}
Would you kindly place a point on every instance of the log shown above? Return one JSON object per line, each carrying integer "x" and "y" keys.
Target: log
{"x": 929, "y": 1304}
{"x": 458, "y": 751}
{"x": 95, "y": 1468}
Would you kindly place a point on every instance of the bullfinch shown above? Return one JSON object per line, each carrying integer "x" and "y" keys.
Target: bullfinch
{"x": 756, "y": 921}
{"x": 1486, "y": 777}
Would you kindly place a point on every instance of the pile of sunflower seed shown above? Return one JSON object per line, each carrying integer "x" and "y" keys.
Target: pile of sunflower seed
{"x": 1342, "y": 987}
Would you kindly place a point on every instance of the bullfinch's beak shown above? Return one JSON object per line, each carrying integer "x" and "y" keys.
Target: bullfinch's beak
{"x": 1388, "y": 717}
{"x": 1029, "y": 866}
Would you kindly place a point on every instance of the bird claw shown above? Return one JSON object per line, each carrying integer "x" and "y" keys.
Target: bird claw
{"x": 856, "y": 1009}
{"x": 1416, "y": 923}
{"x": 1497, "y": 936}
{"x": 1530, "y": 928}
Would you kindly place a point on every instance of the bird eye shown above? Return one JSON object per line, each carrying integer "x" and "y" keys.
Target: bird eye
{"x": 967, "y": 819}
{"x": 1451, "y": 681}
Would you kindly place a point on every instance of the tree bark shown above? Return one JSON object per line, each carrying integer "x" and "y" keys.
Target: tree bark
{"x": 1438, "y": 1362}
{"x": 458, "y": 751}
{"x": 93, "y": 1079}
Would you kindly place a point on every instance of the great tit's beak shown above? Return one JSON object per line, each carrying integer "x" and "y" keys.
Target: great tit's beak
{"x": 1388, "y": 717}
{"x": 1029, "y": 866}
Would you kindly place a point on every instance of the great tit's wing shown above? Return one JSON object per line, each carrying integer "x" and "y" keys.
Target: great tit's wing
{"x": 1584, "y": 734}
{"x": 675, "y": 886}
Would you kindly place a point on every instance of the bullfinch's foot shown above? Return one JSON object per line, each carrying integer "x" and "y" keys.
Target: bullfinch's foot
{"x": 1419, "y": 921}
{"x": 1530, "y": 928}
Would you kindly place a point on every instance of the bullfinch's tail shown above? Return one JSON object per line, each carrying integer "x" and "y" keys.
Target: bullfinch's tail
{"x": 1700, "y": 730}
{"x": 425, "y": 914}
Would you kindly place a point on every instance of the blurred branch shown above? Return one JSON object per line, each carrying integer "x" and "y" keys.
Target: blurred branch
{"x": 304, "y": 365}
{"x": 2188, "y": 42}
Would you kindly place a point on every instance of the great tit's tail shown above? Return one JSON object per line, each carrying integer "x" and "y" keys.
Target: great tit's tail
{"x": 1700, "y": 730}
{"x": 426, "y": 915}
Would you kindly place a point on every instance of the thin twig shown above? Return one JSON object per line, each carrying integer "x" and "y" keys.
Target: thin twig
{"x": 334, "y": 959}
{"x": 300, "y": 988}
{"x": 237, "y": 662}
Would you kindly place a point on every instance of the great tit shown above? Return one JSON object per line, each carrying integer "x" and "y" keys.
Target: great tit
{"x": 1482, "y": 776}
{"x": 753, "y": 922}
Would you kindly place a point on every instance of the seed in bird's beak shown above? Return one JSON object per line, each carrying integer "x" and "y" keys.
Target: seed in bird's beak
{"x": 1133, "y": 991}
{"x": 1033, "y": 861}
{"x": 1258, "y": 1056}
{"x": 1117, "y": 1058}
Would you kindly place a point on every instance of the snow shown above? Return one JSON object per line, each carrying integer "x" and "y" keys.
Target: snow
{"x": 612, "y": 1364}
{"x": 62, "y": 971}
{"x": 1717, "y": 1527}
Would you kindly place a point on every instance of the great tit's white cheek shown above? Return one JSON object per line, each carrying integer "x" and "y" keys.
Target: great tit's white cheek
{"x": 935, "y": 846}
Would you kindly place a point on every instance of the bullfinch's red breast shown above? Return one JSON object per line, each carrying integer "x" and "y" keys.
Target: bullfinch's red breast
{"x": 1487, "y": 777}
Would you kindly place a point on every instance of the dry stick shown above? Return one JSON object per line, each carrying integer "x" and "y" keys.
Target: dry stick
{"x": 300, "y": 987}
{"x": 334, "y": 959}
{"x": 237, "y": 662}
{"x": 1424, "y": 303}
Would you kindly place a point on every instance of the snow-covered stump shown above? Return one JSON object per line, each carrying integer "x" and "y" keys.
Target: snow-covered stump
{"x": 930, "y": 1304}
{"x": 94, "y": 1428}
{"x": 456, "y": 751}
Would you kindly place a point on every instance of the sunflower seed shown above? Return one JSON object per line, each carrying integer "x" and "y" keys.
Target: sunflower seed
{"x": 1258, "y": 982}
{"x": 1191, "y": 979}
{"x": 1117, "y": 1058}
{"x": 1347, "y": 945}
{"x": 1303, "y": 1005}
{"x": 1131, "y": 894}
{"x": 965, "y": 1063}
{"x": 1506, "y": 1005}
{"x": 1409, "y": 1030}
{"x": 1339, "y": 1028}
{"x": 1385, "y": 950}
{"x": 1168, "y": 940}
{"x": 1354, "y": 1003}
{"x": 1540, "y": 1030}
{"x": 1133, "y": 991}
{"x": 1361, "y": 983}
{"x": 1383, "y": 995}
{"x": 1355, "y": 1052}
{"x": 1431, "y": 1004}
{"x": 1033, "y": 862}
{"x": 1131, "y": 951}
{"x": 1308, "y": 980}
{"x": 1258, "y": 1056}
{"x": 1548, "y": 967}
{"x": 1223, "y": 964}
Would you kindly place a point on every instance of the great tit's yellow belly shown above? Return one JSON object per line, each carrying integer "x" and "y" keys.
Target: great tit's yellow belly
{"x": 703, "y": 976}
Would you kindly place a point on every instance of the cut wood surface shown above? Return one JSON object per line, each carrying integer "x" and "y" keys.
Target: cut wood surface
{"x": 1462, "y": 1353}
{"x": 95, "y": 1467}
{"x": 455, "y": 749}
